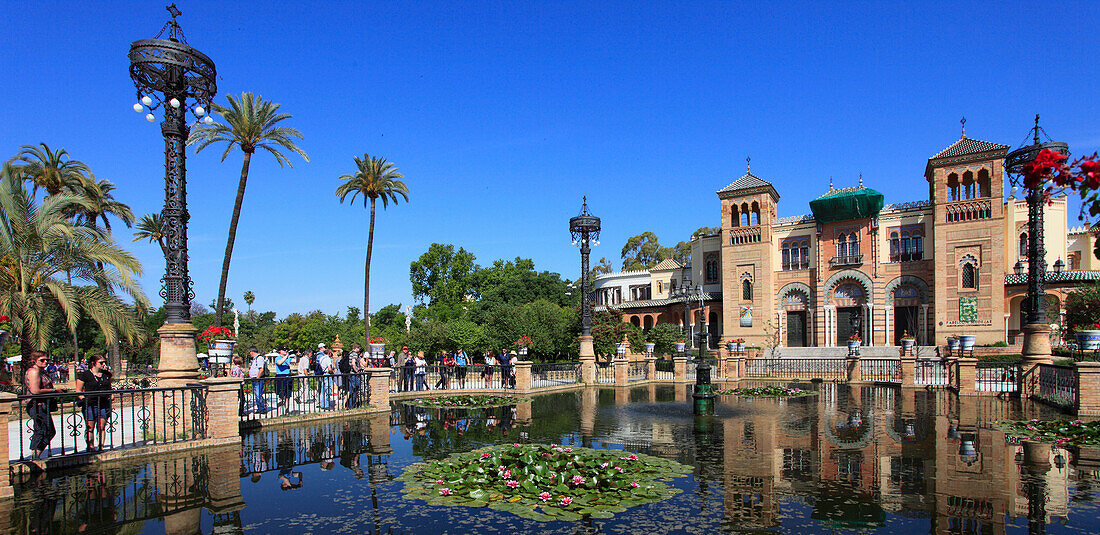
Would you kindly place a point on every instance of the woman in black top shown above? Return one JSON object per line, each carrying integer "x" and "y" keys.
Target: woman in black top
{"x": 97, "y": 407}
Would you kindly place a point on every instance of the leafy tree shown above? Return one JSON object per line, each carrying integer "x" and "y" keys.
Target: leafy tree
{"x": 442, "y": 278}
{"x": 251, "y": 123}
{"x": 467, "y": 335}
{"x": 1083, "y": 306}
{"x": 664, "y": 336}
{"x": 151, "y": 227}
{"x": 603, "y": 266}
{"x": 642, "y": 252}
{"x": 375, "y": 178}
{"x": 249, "y": 298}
{"x": 49, "y": 169}
{"x": 608, "y": 329}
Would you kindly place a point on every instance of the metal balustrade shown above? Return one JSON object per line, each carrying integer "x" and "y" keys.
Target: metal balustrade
{"x": 880, "y": 370}
{"x": 605, "y": 372}
{"x": 997, "y": 377}
{"x": 555, "y": 374}
{"x": 476, "y": 377}
{"x": 665, "y": 370}
{"x": 638, "y": 371}
{"x": 797, "y": 368}
{"x": 934, "y": 372}
{"x": 292, "y": 395}
{"x": 131, "y": 418}
{"x": 1057, "y": 384}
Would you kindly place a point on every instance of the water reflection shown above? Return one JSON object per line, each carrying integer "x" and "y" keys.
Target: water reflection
{"x": 848, "y": 459}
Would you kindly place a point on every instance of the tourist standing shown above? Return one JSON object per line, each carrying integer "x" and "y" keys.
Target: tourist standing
{"x": 505, "y": 361}
{"x": 97, "y": 408}
{"x": 442, "y": 363}
{"x": 282, "y": 378}
{"x": 257, "y": 370}
{"x": 487, "y": 372}
{"x": 237, "y": 370}
{"x": 344, "y": 367}
{"x": 461, "y": 361}
{"x": 324, "y": 365}
{"x": 421, "y": 371}
{"x": 407, "y": 366}
{"x": 36, "y": 382}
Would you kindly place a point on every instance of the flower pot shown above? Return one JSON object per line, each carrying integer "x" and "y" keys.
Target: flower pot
{"x": 377, "y": 351}
{"x": 852, "y": 344}
{"x": 522, "y": 351}
{"x": 731, "y": 347}
{"x": 907, "y": 344}
{"x": 219, "y": 349}
{"x": 1088, "y": 340}
{"x": 953, "y": 344}
{"x": 680, "y": 347}
{"x": 649, "y": 347}
{"x": 740, "y": 346}
{"x": 966, "y": 342}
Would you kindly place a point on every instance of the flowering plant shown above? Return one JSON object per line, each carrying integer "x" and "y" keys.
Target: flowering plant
{"x": 5, "y": 323}
{"x": 906, "y": 336}
{"x": 855, "y": 338}
{"x": 739, "y": 340}
{"x": 214, "y": 332}
{"x": 1093, "y": 327}
{"x": 524, "y": 341}
{"x": 376, "y": 340}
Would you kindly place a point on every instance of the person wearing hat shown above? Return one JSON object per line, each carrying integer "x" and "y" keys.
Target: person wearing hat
{"x": 282, "y": 378}
{"x": 324, "y": 362}
{"x": 257, "y": 370}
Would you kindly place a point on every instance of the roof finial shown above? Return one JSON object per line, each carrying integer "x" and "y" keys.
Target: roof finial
{"x": 830, "y": 184}
{"x": 861, "y": 180}
{"x": 963, "y": 121}
{"x": 748, "y": 164}
{"x": 1036, "y": 128}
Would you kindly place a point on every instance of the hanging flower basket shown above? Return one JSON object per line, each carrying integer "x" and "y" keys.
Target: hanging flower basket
{"x": 220, "y": 350}
{"x": 1088, "y": 337}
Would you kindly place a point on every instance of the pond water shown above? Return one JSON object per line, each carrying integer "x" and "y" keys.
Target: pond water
{"x": 848, "y": 460}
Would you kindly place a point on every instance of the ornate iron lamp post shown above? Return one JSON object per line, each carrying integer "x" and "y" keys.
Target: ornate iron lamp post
{"x": 1037, "y": 331}
{"x": 704, "y": 393}
{"x": 166, "y": 73}
{"x": 585, "y": 231}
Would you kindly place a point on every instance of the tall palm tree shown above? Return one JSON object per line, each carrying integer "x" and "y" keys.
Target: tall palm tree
{"x": 250, "y": 123}
{"x": 53, "y": 170}
{"x": 375, "y": 179}
{"x": 151, "y": 227}
{"x": 41, "y": 249}
{"x": 249, "y": 298}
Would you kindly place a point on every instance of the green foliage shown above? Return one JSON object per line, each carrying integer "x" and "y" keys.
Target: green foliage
{"x": 664, "y": 336}
{"x": 1083, "y": 306}
{"x": 465, "y": 401}
{"x": 465, "y": 334}
{"x": 641, "y": 252}
{"x": 772, "y": 391}
{"x": 543, "y": 482}
{"x": 442, "y": 278}
{"x": 1060, "y": 432}
{"x": 608, "y": 329}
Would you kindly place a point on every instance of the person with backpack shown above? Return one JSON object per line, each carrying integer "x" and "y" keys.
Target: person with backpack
{"x": 257, "y": 370}
{"x": 282, "y": 380}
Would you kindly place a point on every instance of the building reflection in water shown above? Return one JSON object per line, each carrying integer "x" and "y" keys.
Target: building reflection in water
{"x": 847, "y": 458}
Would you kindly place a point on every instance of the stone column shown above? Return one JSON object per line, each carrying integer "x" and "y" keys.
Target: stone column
{"x": 908, "y": 370}
{"x": 1036, "y": 344}
{"x": 622, "y": 371}
{"x": 589, "y": 403}
{"x": 72, "y": 372}
{"x": 679, "y": 368}
{"x": 177, "y": 365}
{"x": 223, "y": 407}
{"x": 223, "y": 488}
{"x": 651, "y": 368}
{"x": 379, "y": 380}
{"x": 924, "y": 325}
{"x": 523, "y": 412}
{"x": 733, "y": 367}
{"x": 870, "y": 325}
{"x": 7, "y": 399}
{"x": 523, "y": 377}
{"x": 855, "y": 371}
{"x": 588, "y": 361}
{"x": 968, "y": 376}
{"x": 379, "y": 425}
{"x": 1088, "y": 389}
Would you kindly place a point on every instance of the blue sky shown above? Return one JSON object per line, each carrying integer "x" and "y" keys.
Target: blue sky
{"x": 502, "y": 115}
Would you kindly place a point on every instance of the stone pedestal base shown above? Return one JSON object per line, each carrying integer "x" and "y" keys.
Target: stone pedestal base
{"x": 1036, "y": 344}
{"x": 177, "y": 365}
{"x": 588, "y": 360}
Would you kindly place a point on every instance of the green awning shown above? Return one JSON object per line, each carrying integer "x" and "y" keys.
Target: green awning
{"x": 855, "y": 203}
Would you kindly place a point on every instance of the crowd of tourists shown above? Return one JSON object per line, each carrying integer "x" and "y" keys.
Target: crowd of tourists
{"x": 92, "y": 380}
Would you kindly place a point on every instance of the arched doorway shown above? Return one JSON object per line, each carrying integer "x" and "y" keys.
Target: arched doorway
{"x": 849, "y": 299}
{"x": 714, "y": 330}
{"x": 648, "y": 323}
{"x": 907, "y": 300}
{"x": 794, "y": 307}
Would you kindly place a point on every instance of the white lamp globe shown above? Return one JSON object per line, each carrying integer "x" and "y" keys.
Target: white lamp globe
{"x": 137, "y": 107}
{"x": 174, "y": 102}
{"x": 208, "y": 120}
{"x": 199, "y": 110}
{"x": 150, "y": 118}
{"x": 146, "y": 100}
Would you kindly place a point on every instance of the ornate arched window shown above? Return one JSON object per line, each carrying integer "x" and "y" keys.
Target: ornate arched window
{"x": 895, "y": 247}
{"x": 1023, "y": 245}
{"x": 746, "y": 290}
{"x": 711, "y": 272}
{"x": 755, "y": 214}
{"x": 968, "y": 277}
{"x": 804, "y": 254}
{"x": 842, "y": 245}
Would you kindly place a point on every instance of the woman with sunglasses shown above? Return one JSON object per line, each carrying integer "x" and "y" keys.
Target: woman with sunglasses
{"x": 36, "y": 382}
{"x": 97, "y": 407}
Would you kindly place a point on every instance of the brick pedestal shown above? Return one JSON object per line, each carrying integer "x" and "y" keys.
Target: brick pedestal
{"x": 223, "y": 487}
{"x": 588, "y": 360}
{"x": 1088, "y": 388}
{"x": 523, "y": 377}
{"x": 732, "y": 367}
{"x": 6, "y": 401}
{"x": 855, "y": 371}
{"x": 177, "y": 365}
{"x": 223, "y": 409}
{"x": 968, "y": 376}
{"x": 379, "y": 380}
{"x": 379, "y": 425}
{"x": 908, "y": 370}
{"x": 622, "y": 371}
{"x": 679, "y": 369}
{"x": 651, "y": 368}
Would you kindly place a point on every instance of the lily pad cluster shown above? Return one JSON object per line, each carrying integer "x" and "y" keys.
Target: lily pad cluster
{"x": 544, "y": 482}
{"x": 1060, "y": 432}
{"x": 767, "y": 392}
{"x": 466, "y": 401}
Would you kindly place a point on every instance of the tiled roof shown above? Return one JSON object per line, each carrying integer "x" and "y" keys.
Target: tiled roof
{"x": 804, "y": 218}
{"x": 643, "y": 303}
{"x": 748, "y": 180}
{"x": 1065, "y": 276}
{"x": 965, "y": 146}
{"x": 667, "y": 263}
{"x": 832, "y": 192}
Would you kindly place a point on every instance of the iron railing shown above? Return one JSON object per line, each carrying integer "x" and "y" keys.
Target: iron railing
{"x": 665, "y": 370}
{"x": 639, "y": 371}
{"x": 797, "y": 368}
{"x": 880, "y": 370}
{"x": 997, "y": 377}
{"x": 934, "y": 372}
{"x": 477, "y": 377}
{"x": 605, "y": 372}
{"x": 1057, "y": 384}
{"x": 57, "y": 423}
{"x": 554, "y": 374}
{"x": 291, "y": 395}
{"x": 138, "y": 378}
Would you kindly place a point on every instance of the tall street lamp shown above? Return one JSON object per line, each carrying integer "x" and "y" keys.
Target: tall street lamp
{"x": 1037, "y": 331}
{"x": 166, "y": 73}
{"x": 585, "y": 231}
{"x": 704, "y": 393}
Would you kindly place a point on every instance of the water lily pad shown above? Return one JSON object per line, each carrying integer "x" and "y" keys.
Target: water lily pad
{"x": 467, "y": 401}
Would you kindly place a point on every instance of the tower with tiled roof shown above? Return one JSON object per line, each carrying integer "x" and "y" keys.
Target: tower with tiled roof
{"x": 748, "y": 213}
{"x": 966, "y": 188}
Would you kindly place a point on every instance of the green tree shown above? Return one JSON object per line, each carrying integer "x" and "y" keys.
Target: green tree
{"x": 40, "y": 243}
{"x": 251, "y": 123}
{"x": 442, "y": 278}
{"x": 49, "y": 169}
{"x": 664, "y": 336}
{"x": 608, "y": 329}
{"x": 603, "y": 266}
{"x": 642, "y": 252}
{"x": 151, "y": 228}
{"x": 1082, "y": 307}
{"x": 249, "y": 298}
{"x": 375, "y": 179}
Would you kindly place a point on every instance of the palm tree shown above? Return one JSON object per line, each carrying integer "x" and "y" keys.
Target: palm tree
{"x": 151, "y": 227}
{"x": 249, "y": 298}
{"x": 50, "y": 169}
{"x": 251, "y": 123}
{"x": 375, "y": 179}
{"x": 41, "y": 248}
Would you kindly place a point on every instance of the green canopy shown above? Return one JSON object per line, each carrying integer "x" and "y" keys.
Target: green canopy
{"x": 840, "y": 205}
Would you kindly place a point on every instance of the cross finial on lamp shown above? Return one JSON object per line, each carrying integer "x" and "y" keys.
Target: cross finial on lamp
{"x": 861, "y": 180}
{"x": 963, "y": 122}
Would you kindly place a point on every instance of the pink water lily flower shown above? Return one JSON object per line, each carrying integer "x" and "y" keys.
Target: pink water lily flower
{"x": 619, "y": 468}
{"x": 604, "y": 465}
{"x": 634, "y": 484}
{"x": 512, "y": 483}
{"x": 507, "y": 474}
{"x": 632, "y": 457}
{"x": 486, "y": 455}
{"x": 566, "y": 500}
{"x": 578, "y": 480}
{"x": 439, "y": 482}
{"x": 444, "y": 492}
{"x": 568, "y": 450}
{"x": 516, "y": 445}
{"x": 544, "y": 496}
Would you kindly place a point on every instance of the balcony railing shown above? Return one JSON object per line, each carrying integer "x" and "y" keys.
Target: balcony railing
{"x": 846, "y": 260}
